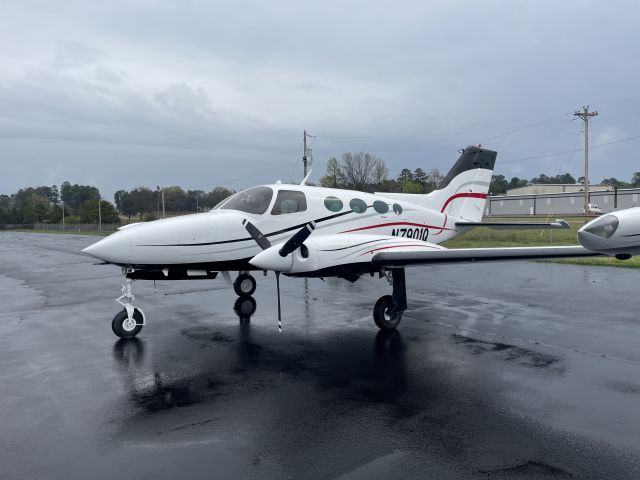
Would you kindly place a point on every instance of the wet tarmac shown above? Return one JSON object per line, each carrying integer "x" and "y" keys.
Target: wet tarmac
{"x": 506, "y": 371}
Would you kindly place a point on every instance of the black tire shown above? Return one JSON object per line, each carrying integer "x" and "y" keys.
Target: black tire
{"x": 244, "y": 285}
{"x": 120, "y": 321}
{"x": 381, "y": 315}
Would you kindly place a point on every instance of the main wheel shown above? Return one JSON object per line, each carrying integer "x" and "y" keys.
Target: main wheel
{"x": 382, "y": 316}
{"x": 244, "y": 285}
{"x": 125, "y": 328}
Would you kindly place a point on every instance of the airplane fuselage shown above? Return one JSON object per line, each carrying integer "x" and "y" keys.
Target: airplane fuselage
{"x": 217, "y": 240}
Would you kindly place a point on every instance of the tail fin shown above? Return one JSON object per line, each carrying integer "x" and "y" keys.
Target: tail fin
{"x": 463, "y": 192}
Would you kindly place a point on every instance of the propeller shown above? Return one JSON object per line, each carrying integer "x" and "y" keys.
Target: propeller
{"x": 298, "y": 239}
{"x": 288, "y": 248}
{"x": 262, "y": 241}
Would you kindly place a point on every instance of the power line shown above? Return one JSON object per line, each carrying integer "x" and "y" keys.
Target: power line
{"x": 622, "y": 140}
{"x": 262, "y": 172}
{"x": 518, "y": 129}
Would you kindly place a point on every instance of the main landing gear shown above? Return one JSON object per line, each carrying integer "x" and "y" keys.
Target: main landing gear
{"x": 129, "y": 321}
{"x": 388, "y": 310}
{"x": 244, "y": 285}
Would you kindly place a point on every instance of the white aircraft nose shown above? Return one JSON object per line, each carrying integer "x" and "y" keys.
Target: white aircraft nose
{"x": 116, "y": 248}
{"x": 596, "y": 235}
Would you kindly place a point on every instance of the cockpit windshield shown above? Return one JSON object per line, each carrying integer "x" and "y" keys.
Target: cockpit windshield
{"x": 254, "y": 200}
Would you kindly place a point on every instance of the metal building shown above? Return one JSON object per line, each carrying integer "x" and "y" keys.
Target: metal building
{"x": 561, "y": 203}
{"x": 540, "y": 188}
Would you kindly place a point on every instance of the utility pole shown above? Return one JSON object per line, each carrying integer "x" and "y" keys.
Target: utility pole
{"x": 63, "y": 216}
{"x": 161, "y": 190}
{"x": 585, "y": 114}
{"x": 99, "y": 212}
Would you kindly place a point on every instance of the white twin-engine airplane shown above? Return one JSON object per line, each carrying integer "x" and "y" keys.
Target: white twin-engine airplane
{"x": 306, "y": 231}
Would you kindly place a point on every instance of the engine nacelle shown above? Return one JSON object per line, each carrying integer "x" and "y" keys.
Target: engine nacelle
{"x": 326, "y": 251}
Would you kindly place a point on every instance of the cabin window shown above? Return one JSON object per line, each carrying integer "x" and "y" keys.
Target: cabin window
{"x": 333, "y": 204}
{"x": 397, "y": 209}
{"x": 289, "y": 201}
{"x": 255, "y": 200}
{"x": 380, "y": 206}
{"x": 358, "y": 206}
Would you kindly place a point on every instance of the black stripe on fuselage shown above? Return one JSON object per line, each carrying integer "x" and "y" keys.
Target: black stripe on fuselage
{"x": 350, "y": 246}
{"x": 284, "y": 230}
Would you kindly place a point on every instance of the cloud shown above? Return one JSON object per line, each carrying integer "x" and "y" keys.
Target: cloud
{"x": 74, "y": 55}
{"x": 230, "y": 88}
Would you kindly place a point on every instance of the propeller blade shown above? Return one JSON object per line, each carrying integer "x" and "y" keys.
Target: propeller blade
{"x": 279, "y": 312}
{"x": 256, "y": 234}
{"x": 297, "y": 240}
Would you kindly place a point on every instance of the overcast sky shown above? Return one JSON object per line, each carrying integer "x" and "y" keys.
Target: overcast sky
{"x": 126, "y": 93}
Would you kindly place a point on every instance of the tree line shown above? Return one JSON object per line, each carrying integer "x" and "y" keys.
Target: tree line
{"x": 147, "y": 203}
{"x": 355, "y": 170}
{"x": 500, "y": 185}
{"x": 84, "y": 204}
{"x": 368, "y": 173}
{"x": 78, "y": 203}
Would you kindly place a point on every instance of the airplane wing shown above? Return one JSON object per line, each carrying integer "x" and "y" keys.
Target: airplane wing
{"x": 340, "y": 252}
{"x": 406, "y": 257}
{"x": 558, "y": 224}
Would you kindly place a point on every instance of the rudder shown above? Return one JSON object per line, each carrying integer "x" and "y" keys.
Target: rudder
{"x": 463, "y": 191}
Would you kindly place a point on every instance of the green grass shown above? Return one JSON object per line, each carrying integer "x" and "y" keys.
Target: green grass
{"x": 633, "y": 262}
{"x": 486, "y": 237}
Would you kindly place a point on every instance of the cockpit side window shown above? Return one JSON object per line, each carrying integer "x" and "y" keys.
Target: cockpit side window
{"x": 255, "y": 200}
{"x": 289, "y": 201}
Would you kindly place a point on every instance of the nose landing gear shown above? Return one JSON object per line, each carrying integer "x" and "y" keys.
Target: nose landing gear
{"x": 128, "y": 322}
{"x": 388, "y": 310}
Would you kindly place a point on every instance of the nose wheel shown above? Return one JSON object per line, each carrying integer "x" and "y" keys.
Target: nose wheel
{"x": 126, "y": 327}
{"x": 129, "y": 321}
{"x": 244, "y": 285}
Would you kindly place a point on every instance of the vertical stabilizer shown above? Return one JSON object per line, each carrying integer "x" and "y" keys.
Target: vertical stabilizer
{"x": 463, "y": 192}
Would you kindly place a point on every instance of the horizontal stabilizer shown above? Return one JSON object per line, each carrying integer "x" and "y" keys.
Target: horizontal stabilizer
{"x": 469, "y": 255}
{"x": 558, "y": 224}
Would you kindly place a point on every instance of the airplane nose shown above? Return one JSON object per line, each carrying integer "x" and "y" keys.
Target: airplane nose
{"x": 585, "y": 241}
{"x": 116, "y": 248}
{"x": 595, "y": 234}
